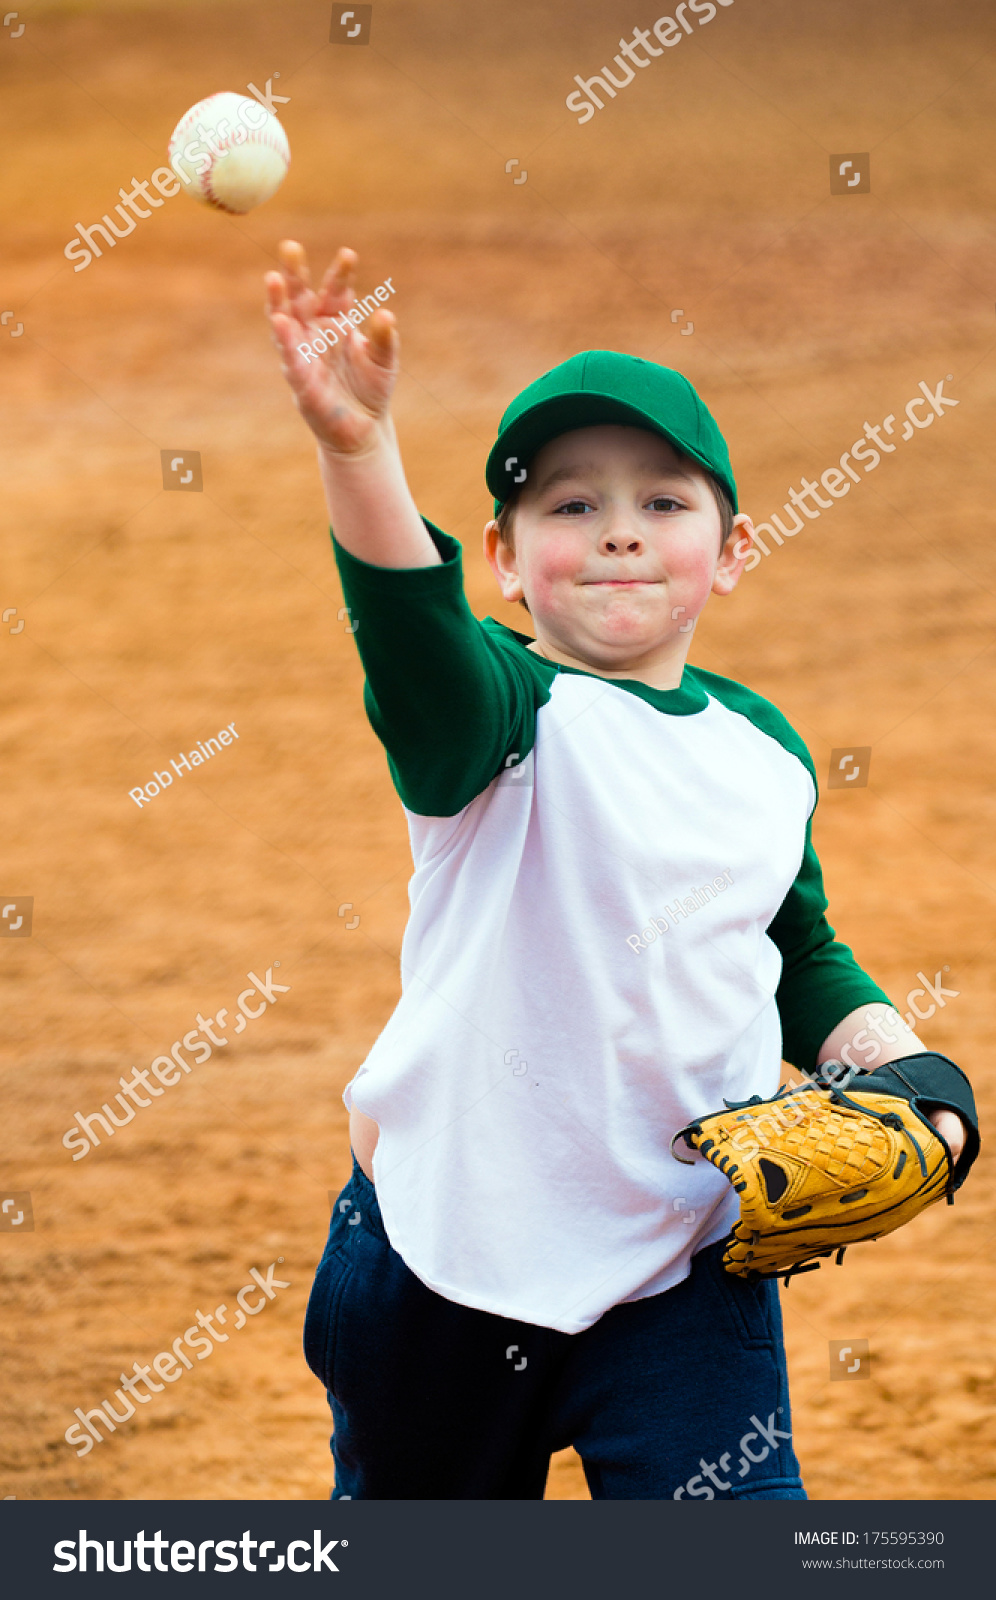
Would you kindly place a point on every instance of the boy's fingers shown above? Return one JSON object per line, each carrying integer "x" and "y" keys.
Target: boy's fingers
{"x": 294, "y": 261}
{"x": 276, "y": 291}
{"x": 382, "y": 338}
{"x": 297, "y": 278}
{"x": 341, "y": 270}
{"x": 337, "y": 284}
{"x": 287, "y": 338}
{"x": 951, "y": 1128}
{"x": 278, "y": 305}
{"x": 286, "y": 335}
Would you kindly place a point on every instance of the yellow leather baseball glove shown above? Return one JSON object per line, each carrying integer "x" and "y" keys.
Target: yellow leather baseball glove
{"x": 818, "y": 1168}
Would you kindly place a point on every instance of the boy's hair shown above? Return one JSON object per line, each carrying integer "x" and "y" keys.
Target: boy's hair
{"x": 506, "y": 517}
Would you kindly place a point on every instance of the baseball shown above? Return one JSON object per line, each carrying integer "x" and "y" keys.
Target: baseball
{"x": 230, "y": 152}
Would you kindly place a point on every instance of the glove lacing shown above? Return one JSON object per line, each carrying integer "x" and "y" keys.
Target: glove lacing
{"x": 890, "y": 1119}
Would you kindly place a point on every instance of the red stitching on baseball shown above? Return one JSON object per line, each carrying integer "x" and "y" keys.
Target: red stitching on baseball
{"x": 267, "y": 137}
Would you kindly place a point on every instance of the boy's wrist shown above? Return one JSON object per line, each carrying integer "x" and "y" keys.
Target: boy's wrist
{"x": 370, "y": 504}
{"x": 380, "y": 441}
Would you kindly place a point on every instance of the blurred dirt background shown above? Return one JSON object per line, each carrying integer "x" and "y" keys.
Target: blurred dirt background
{"x": 153, "y": 619}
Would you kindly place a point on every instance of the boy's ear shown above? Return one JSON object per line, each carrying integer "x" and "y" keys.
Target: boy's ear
{"x": 502, "y": 562}
{"x": 735, "y": 554}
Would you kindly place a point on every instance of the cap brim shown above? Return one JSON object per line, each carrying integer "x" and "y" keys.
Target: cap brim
{"x": 514, "y": 449}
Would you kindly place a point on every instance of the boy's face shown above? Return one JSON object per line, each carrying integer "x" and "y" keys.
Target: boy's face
{"x": 617, "y": 548}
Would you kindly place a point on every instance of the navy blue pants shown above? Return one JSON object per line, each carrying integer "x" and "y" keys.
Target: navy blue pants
{"x": 683, "y": 1395}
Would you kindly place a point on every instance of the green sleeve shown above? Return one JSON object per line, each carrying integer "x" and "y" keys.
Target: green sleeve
{"x": 448, "y": 700}
{"x": 821, "y": 982}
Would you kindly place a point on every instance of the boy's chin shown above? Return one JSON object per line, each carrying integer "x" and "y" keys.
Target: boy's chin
{"x": 612, "y": 645}
{"x": 628, "y": 629}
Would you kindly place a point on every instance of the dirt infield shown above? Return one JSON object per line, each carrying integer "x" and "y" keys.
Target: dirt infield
{"x": 699, "y": 195}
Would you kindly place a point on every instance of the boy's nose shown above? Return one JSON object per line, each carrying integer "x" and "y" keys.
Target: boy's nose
{"x": 618, "y": 540}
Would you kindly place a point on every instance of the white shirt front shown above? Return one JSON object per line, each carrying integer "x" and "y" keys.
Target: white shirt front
{"x": 551, "y": 1037}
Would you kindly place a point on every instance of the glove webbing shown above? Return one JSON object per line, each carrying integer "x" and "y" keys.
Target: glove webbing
{"x": 891, "y": 1119}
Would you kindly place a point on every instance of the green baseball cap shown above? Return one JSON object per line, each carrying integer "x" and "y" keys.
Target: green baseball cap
{"x": 600, "y": 386}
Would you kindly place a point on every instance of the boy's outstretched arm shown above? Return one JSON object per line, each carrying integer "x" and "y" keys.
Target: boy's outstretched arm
{"x": 451, "y": 707}
{"x": 344, "y": 396}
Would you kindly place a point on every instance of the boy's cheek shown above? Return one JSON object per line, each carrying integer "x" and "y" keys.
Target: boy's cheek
{"x": 560, "y": 555}
{"x": 694, "y": 559}
{"x": 552, "y": 570}
{"x": 695, "y": 578}
{"x": 542, "y": 596}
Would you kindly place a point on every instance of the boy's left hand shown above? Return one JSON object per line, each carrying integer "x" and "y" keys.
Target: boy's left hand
{"x": 810, "y": 1153}
{"x": 951, "y": 1129}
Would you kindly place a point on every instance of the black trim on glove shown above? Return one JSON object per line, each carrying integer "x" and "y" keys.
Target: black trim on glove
{"x": 929, "y": 1082}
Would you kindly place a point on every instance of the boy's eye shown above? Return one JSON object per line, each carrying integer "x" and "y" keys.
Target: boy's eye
{"x": 572, "y": 508}
{"x": 665, "y": 502}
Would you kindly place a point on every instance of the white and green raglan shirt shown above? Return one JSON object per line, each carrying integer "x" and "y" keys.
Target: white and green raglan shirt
{"x": 617, "y": 922}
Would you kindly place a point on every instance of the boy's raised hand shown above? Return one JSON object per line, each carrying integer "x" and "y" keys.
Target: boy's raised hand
{"x": 344, "y": 393}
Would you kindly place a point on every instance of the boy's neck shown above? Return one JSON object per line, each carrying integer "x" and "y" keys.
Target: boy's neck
{"x": 665, "y": 672}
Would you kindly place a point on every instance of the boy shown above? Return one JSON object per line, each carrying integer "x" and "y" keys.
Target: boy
{"x": 616, "y": 917}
